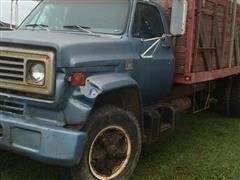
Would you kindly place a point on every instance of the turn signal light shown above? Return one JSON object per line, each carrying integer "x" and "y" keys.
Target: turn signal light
{"x": 78, "y": 79}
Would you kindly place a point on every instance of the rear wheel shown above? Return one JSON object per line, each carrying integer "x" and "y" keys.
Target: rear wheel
{"x": 235, "y": 97}
{"x": 113, "y": 146}
{"x": 223, "y": 96}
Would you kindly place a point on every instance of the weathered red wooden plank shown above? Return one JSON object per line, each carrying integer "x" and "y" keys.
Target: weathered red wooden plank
{"x": 207, "y": 75}
{"x": 193, "y": 51}
{"x": 237, "y": 46}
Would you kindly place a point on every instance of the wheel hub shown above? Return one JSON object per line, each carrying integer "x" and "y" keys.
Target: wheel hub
{"x": 109, "y": 153}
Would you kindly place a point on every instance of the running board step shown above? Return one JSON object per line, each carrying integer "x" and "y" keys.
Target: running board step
{"x": 158, "y": 122}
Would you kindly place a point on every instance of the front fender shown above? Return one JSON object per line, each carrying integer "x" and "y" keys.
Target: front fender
{"x": 83, "y": 98}
{"x": 99, "y": 84}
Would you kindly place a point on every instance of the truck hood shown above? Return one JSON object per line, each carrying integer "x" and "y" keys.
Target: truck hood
{"x": 72, "y": 49}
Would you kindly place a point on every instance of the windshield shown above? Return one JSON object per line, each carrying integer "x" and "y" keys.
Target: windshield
{"x": 89, "y": 16}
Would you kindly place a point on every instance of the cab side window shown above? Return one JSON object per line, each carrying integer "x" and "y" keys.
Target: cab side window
{"x": 147, "y": 22}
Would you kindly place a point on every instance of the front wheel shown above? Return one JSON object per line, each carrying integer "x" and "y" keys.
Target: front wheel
{"x": 113, "y": 146}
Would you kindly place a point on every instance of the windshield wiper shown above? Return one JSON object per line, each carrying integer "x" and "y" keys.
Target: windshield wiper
{"x": 81, "y": 28}
{"x": 42, "y": 26}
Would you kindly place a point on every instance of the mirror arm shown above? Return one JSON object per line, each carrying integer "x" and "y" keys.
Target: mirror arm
{"x": 155, "y": 45}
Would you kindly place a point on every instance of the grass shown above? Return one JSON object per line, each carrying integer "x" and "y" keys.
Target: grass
{"x": 204, "y": 146}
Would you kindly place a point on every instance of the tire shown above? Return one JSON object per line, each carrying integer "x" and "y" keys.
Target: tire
{"x": 119, "y": 154}
{"x": 235, "y": 98}
{"x": 223, "y": 96}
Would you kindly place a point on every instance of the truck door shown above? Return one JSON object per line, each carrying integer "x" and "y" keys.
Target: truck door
{"x": 155, "y": 74}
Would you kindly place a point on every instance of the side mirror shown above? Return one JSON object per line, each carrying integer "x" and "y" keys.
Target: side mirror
{"x": 179, "y": 17}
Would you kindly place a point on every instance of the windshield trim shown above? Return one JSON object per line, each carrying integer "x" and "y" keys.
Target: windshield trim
{"x": 44, "y": 2}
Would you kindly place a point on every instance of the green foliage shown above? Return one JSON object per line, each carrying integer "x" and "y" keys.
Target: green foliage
{"x": 204, "y": 146}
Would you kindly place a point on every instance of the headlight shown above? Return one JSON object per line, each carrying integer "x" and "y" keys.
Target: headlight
{"x": 37, "y": 73}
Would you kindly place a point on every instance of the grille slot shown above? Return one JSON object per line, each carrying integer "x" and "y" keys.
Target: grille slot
{"x": 11, "y": 69}
{"x": 11, "y": 107}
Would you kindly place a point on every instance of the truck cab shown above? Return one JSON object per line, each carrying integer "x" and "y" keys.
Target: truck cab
{"x": 75, "y": 78}
{"x": 155, "y": 60}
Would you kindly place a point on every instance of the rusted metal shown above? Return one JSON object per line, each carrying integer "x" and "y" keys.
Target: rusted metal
{"x": 213, "y": 24}
{"x": 208, "y": 75}
{"x": 198, "y": 23}
{"x": 234, "y": 15}
{"x": 201, "y": 99}
{"x": 190, "y": 36}
{"x": 182, "y": 104}
{"x": 203, "y": 52}
{"x": 224, "y": 31}
{"x": 206, "y": 54}
{"x": 218, "y": 44}
{"x": 237, "y": 46}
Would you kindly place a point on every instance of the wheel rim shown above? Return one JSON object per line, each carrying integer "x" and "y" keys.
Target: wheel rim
{"x": 109, "y": 153}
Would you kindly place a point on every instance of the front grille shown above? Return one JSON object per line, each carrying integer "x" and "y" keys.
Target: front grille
{"x": 12, "y": 69}
{"x": 14, "y": 64}
{"x": 11, "y": 107}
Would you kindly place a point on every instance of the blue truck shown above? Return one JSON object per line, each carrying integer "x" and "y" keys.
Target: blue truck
{"x": 84, "y": 83}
